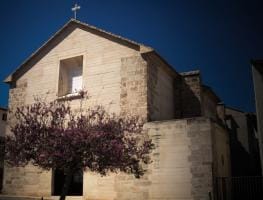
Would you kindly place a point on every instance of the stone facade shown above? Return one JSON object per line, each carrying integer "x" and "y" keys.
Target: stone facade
{"x": 3, "y": 119}
{"x": 27, "y": 181}
{"x": 193, "y": 98}
{"x": 160, "y": 88}
{"x": 182, "y": 167}
{"x": 133, "y": 96}
{"x": 129, "y": 79}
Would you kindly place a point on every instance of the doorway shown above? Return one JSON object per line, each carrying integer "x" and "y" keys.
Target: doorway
{"x": 76, "y": 185}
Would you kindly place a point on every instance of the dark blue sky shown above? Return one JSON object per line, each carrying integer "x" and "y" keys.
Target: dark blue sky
{"x": 217, "y": 37}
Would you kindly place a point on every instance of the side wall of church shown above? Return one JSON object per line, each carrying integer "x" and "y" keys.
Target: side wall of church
{"x": 209, "y": 106}
{"x": 181, "y": 167}
{"x": 160, "y": 90}
{"x": 221, "y": 151}
{"x": 188, "y": 89}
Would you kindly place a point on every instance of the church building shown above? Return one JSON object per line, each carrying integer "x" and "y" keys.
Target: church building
{"x": 184, "y": 117}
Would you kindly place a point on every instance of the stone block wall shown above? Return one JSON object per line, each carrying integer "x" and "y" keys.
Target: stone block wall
{"x": 133, "y": 96}
{"x": 188, "y": 91}
{"x": 182, "y": 160}
{"x": 102, "y": 68}
{"x": 28, "y": 180}
{"x": 193, "y": 98}
{"x": 201, "y": 159}
{"x": 210, "y": 103}
{"x": 181, "y": 167}
{"x": 147, "y": 87}
{"x": 17, "y": 94}
{"x": 221, "y": 151}
{"x": 126, "y": 82}
{"x": 160, "y": 88}
{"x": 3, "y": 113}
{"x": 221, "y": 114}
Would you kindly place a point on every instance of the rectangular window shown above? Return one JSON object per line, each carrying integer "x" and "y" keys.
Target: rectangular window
{"x": 4, "y": 116}
{"x": 70, "y": 76}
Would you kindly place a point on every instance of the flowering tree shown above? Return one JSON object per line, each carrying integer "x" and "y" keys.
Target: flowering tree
{"x": 53, "y": 136}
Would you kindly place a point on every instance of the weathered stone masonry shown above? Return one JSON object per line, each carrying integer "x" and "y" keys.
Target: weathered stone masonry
{"x": 17, "y": 94}
{"x": 182, "y": 167}
{"x": 133, "y": 97}
{"x": 130, "y": 79}
{"x": 160, "y": 88}
{"x": 27, "y": 180}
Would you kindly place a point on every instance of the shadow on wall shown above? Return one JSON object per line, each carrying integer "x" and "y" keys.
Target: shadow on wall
{"x": 187, "y": 97}
{"x": 244, "y": 162}
{"x": 171, "y": 95}
{"x": 253, "y": 143}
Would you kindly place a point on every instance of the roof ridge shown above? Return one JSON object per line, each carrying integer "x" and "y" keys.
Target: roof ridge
{"x": 189, "y": 73}
{"x": 142, "y": 47}
{"x": 107, "y": 32}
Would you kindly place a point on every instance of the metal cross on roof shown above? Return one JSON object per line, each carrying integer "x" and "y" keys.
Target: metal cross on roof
{"x": 74, "y": 9}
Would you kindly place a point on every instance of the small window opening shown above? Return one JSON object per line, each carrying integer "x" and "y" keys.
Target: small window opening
{"x": 4, "y": 116}
{"x": 70, "y": 76}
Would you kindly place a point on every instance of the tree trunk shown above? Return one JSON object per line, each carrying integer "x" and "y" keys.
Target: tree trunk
{"x": 67, "y": 181}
